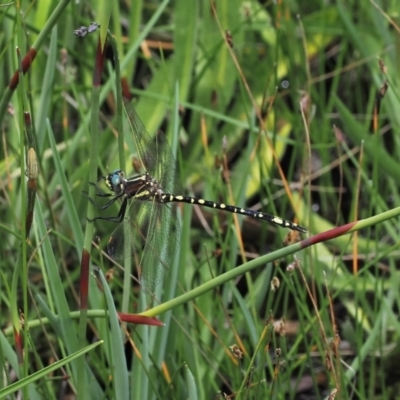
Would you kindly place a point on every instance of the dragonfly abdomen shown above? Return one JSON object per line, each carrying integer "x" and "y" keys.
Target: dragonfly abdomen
{"x": 168, "y": 198}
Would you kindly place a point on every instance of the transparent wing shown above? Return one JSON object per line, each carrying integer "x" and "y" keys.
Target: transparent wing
{"x": 165, "y": 169}
{"x": 155, "y": 153}
{"x": 160, "y": 251}
{"x": 150, "y": 234}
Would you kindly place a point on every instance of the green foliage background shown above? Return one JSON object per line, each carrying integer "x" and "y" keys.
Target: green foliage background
{"x": 289, "y": 93}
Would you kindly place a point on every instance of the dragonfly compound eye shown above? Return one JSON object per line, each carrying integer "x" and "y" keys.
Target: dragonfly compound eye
{"x": 115, "y": 181}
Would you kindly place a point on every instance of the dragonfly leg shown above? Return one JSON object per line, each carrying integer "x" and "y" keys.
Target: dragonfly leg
{"x": 113, "y": 200}
{"x": 99, "y": 192}
{"x": 121, "y": 212}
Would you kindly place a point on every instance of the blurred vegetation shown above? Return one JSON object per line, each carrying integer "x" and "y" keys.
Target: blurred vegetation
{"x": 286, "y": 107}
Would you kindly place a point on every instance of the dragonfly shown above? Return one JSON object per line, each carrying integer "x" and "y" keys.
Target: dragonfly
{"x": 148, "y": 229}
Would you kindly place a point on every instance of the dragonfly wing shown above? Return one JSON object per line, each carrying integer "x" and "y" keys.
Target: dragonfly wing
{"x": 154, "y": 152}
{"x": 160, "y": 251}
{"x": 145, "y": 146}
{"x": 123, "y": 242}
{"x": 151, "y": 235}
{"x": 165, "y": 167}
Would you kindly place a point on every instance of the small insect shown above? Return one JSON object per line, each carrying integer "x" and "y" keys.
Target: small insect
{"x": 148, "y": 228}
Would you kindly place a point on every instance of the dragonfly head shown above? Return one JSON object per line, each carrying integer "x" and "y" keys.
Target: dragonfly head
{"x": 115, "y": 181}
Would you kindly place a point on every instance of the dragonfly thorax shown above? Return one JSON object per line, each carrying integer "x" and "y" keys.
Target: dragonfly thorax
{"x": 154, "y": 188}
{"x": 143, "y": 187}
